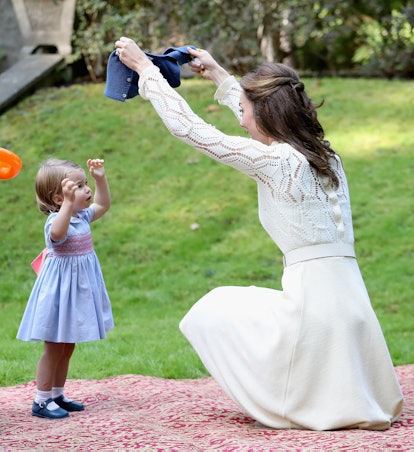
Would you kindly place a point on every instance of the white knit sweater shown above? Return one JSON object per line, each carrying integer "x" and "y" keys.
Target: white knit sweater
{"x": 297, "y": 208}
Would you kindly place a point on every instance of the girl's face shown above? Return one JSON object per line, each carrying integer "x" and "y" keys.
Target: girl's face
{"x": 83, "y": 193}
{"x": 248, "y": 121}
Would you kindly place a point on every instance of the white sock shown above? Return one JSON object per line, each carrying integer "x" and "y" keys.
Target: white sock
{"x": 42, "y": 396}
{"x": 56, "y": 392}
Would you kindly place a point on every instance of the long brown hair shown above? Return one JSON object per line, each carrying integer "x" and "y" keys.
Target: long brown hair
{"x": 283, "y": 110}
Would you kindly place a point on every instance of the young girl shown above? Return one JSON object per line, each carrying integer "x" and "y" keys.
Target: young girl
{"x": 69, "y": 302}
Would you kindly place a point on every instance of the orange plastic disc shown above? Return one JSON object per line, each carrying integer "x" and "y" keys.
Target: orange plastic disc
{"x": 10, "y": 164}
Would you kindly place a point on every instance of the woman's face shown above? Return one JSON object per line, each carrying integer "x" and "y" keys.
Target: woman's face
{"x": 248, "y": 121}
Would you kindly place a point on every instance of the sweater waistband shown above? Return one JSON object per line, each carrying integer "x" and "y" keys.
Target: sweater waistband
{"x": 319, "y": 251}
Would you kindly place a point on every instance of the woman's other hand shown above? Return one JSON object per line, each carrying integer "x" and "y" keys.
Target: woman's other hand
{"x": 204, "y": 64}
{"x": 131, "y": 54}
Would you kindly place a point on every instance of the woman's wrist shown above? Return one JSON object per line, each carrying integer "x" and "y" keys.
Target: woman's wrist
{"x": 219, "y": 75}
{"x": 143, "y": 64}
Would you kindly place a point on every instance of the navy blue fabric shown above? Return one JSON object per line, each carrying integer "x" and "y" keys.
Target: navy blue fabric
{"x": 122, "y": 82}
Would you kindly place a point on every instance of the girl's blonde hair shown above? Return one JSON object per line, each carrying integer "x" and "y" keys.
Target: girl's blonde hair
{"x": 48, "y": 183}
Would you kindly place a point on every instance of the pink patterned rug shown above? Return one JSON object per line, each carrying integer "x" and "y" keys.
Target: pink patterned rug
{"x": 139, "y": 412}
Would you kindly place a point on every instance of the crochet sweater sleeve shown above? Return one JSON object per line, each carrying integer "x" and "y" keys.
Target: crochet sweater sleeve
{"x": 296, "y": 207}
{"x": 242, "y": 153}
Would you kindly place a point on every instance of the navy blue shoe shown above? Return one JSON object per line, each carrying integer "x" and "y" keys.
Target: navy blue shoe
{"x": 41, "y": 410}
{"x": 69, "y": 406}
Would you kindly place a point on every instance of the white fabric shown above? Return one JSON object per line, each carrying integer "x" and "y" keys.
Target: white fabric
{"x": 42, "y": 396}
{"x": 52, "y": 406}
{"x": 57, "y": 392}
{"x": 313, "y": 355}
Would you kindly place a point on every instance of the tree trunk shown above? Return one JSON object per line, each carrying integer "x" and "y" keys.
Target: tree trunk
{"x": 274, "y": 35}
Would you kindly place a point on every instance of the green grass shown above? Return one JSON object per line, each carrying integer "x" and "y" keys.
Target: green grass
{"x": 155, "y": 264}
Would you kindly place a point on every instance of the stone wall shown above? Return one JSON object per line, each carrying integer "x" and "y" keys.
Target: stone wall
{"x": 11, "y": 39}
{"x": 34, "y": 26}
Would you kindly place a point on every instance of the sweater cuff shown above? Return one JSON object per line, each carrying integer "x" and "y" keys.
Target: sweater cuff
{"x": 224, "y": 87}
{"x": 144, "y": 76}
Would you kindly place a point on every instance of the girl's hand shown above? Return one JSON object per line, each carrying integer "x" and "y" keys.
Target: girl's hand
{"x": 68, "y": 189}
{"x": 96, "y": 167}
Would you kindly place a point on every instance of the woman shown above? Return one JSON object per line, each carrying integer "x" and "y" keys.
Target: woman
{"x": 313, "y": 355}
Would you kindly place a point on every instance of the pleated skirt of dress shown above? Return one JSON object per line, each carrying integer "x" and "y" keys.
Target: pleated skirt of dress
{"x": 68, "y": 303}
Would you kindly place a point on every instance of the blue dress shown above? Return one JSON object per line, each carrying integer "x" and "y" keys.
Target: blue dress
{"x": 69, "y": 302}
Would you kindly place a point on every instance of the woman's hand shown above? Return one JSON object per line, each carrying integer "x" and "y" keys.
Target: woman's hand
{"x": 131, "y": 55}
{"x": 204, "y": 64}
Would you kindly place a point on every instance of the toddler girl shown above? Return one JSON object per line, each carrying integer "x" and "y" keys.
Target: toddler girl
{"x": 69, "y": 302}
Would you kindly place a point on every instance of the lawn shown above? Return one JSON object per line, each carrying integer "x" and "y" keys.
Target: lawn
{"x": 181, "y": 224}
